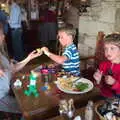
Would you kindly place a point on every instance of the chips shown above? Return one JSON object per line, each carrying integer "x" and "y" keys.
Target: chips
{"x": 38, "y": 50}
{"x": 67, "y": 83}
{"x": 72, "y": 84}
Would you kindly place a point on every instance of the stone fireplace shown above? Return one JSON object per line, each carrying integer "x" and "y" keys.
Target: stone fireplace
{"x": 103, "y": 15}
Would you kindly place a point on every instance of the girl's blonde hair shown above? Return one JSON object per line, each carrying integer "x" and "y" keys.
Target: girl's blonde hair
{"x": 3, "y": 48}
{"x": 113, "y": 38}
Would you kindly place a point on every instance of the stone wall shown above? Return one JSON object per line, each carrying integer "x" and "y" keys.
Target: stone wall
{"x": 103, "y": 15}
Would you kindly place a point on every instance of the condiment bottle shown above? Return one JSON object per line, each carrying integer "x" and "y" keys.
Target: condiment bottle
{"x": 89, "y": 111}
{"x": 63, "y": 107}
{"x": 45, "y": 75}
{"x": 71, "y": 109}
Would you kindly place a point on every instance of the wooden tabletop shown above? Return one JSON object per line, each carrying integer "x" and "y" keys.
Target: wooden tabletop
{"x": 46, "y": 105}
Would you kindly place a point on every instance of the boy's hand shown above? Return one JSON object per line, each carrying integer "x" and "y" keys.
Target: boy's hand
{"x": 109, "y": 80}
{"x": 45, "y": 50}
{"x": 97, "y": 76}
{"x": 34, "y": 54}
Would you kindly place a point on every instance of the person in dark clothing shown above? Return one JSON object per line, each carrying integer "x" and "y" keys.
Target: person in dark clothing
{"x": 71, "y": 16}
{"x": 16, "y": 30}
{"x": 3, "y": 20}
{"x": 48, "y": 28}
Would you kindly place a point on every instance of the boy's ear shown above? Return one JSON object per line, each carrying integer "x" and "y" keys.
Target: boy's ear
{"x": 72, "y": 37}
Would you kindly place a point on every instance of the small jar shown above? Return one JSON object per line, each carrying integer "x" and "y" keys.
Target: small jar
{"x": 51, "y": 74}
{"x": 45, "y": 75}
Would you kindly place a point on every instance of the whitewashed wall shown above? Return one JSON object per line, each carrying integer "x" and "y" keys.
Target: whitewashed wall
{"x": 103, "y": 15}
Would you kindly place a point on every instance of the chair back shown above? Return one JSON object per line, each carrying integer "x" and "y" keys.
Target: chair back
{"x": 99, "y": 52}
{"x": 89, "y": 70}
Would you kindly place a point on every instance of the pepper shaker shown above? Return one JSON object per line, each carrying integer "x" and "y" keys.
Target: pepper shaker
{"x": 63, "y": 107}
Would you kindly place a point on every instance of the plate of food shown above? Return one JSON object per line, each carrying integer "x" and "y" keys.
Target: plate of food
{"x": 74, "y": 85}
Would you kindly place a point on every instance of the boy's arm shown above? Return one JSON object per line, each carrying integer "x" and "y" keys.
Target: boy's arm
{"x": 58, "y": 59}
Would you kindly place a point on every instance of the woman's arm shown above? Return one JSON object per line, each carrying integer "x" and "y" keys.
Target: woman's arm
{"x": 18, "y": 66}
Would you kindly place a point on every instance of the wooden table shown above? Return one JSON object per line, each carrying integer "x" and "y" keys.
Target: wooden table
{"x": 46, "y": 105}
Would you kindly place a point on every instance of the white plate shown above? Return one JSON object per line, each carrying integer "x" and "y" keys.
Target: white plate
{"x": 84, "y": 80}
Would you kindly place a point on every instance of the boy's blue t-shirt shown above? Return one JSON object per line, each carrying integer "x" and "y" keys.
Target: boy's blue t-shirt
{"x": 72, "y": 65}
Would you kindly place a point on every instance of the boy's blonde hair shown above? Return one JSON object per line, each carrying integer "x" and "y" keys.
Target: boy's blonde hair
{"x": 113, "y": 38}
{"x": 69, "y": 30}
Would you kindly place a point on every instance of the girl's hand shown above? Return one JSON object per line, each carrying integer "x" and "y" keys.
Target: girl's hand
{"x": 34, "y": 54}
{"x": 109, "y": 80}
{"x": 97, "y": 76}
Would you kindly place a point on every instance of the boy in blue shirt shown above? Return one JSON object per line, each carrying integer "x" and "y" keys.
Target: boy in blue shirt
{"x": 69, "y": 60}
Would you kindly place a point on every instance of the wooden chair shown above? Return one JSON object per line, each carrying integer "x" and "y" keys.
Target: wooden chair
{"x": 99, "y": 53}
{"x": 97, "y": 58}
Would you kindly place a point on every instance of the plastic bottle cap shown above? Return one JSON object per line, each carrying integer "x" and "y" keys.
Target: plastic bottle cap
{"x": 45, "y": 71}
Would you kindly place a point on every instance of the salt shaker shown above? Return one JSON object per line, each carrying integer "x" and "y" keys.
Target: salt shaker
{"x": 89, "y": 111}
{"x": 63, "y": 107}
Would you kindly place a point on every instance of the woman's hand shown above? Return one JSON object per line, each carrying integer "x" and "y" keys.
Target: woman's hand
{"x": 34, "y": 54}
{"x": 97, "y": 76}
{"x": 109, "y": 80}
